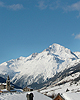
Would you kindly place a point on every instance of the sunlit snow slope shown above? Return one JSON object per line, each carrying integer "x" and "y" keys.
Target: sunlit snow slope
{"x": 38, "y": 67}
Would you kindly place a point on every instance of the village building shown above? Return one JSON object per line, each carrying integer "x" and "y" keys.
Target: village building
{"x": 58, "y": 97}
{"x": 27, "y": 89}
{"x": 8, "y": 83}
{"x": 6, "y": 87}
{"x": 67, "y": 96}
{"x": 2, "y": 85}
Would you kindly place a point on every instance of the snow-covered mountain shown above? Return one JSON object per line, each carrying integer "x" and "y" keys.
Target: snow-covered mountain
{"x": 38, "y": 68}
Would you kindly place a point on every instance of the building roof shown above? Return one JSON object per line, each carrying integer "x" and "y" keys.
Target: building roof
{"x": 58, "y": 95}
{"x": 69, "y": 96}
{"x": 3, "y": 83}
{"x": 28, "y": 87}
{"x": 4, "y": 90}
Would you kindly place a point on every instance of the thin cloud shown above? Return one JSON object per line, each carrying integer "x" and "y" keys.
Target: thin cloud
{"x": 42, "y": 5}
{"x": 13, "y": 7}
{"x": 77, "y": 36}
{"x": 73, "y": 7}
{"x": 2, "y": 4}
{"x": 55, "y": 5}
{"x": 73, "y": 34}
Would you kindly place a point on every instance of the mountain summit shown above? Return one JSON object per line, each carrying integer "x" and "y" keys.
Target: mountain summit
{"x": 38, "y": 67}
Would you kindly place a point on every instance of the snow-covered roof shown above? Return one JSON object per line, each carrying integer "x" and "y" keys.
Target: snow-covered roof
{"x": 4, "y": 90}
{"x": 22, "y": 96}
{"x": 71, "y": 96}
{"x": 28, "y": 87}
{"x": 3, "y": 83}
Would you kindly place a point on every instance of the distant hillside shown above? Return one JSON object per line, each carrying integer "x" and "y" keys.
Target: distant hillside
{"x": 2, "y": 80}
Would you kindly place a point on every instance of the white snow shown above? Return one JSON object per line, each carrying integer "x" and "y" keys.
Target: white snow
{"x": 22, "y": 96}
{"x": 71, "y": 96}
{"x": 71, "y": 77}
{"x": 77, "y": 54}
{"x": 39, "y": 65}
{"x": 43, "y": 65}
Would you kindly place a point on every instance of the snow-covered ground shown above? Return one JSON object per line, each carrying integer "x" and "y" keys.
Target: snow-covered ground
{"x": 71, "y": 96}
{"x": 72, "y": 88}
{"x": 22, "y": 96}
{"x": 67, "y": 91}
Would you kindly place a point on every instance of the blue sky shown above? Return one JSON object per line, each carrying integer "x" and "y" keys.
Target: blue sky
{"x": 29, "y": 26}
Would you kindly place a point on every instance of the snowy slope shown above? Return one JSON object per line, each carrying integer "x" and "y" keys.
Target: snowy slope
{"x": 61, "y": 89}
{"x": 38, "y": 67}
{"x": 22, "y": 96}
{"x": 77, "y": 54}
{"x": 73, "y": 91}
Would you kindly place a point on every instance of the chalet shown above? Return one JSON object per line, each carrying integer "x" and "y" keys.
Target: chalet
{"x": 67, "y": 96}
{"x": 58, "y": 97}
{"x": 0, "y": 91}
{"x": 2, "y": 85}
{"x": 27, "y": 89}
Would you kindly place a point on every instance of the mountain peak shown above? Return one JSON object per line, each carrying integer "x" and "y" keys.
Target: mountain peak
{"x": 56, "y": 48}
{"x": 38, "y": 67}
